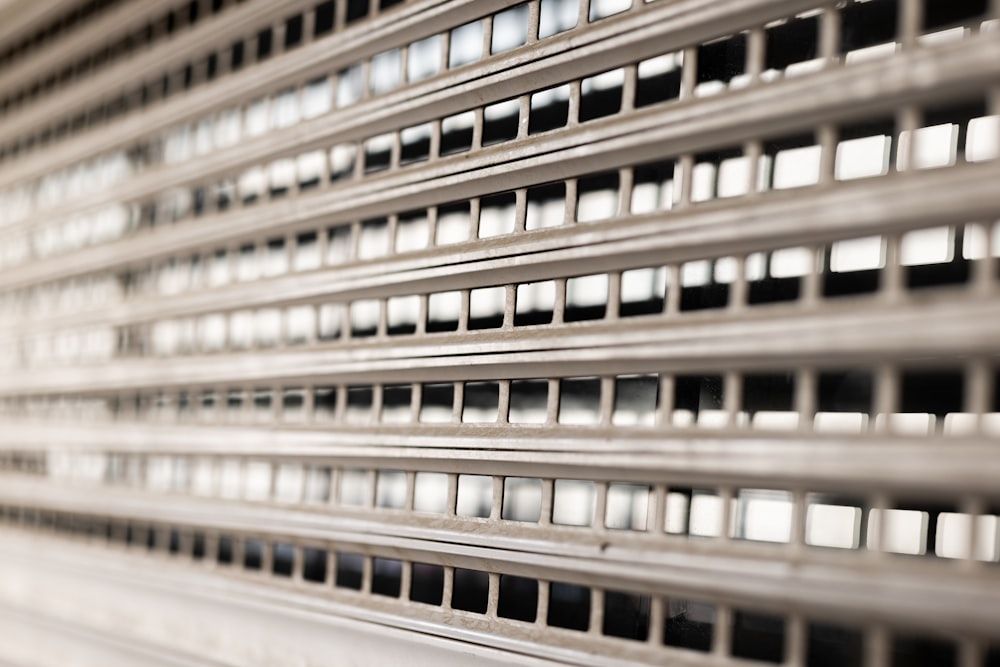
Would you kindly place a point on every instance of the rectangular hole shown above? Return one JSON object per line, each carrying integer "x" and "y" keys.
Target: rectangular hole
{"x": 282, "y": 559}
{"x": 424, "y": 60}
{"x": 933, "y": 257}
{"x": 757, "y": 636}
{"x": 470, "y": 591}
{"x": 829, "y": 645}
{"x": 763, "y": 515}
{"x": 688, "y": 624}
{"x": 534, "y": 303}
{"x": 436, "y": 403}
{"x": 580, "y": 401}
{"x": 569, "y": 606}
{"x": 930, "y": 396}
{"x": 342, "y": 160}
{"x": 626, "y": 615}
{"x": 224, "y": 553}
{"x": 324, "y": 18}
{"x": 293, "y": 404}
{"x": 522, "y": 499}
{"x": 475, "y": 496}
{"x": 396, "y": 400}
{"x": 457, "y": 133}
{"x": 325, "y": 403}
{"x": 356, "y": 10}
{"x": 791, "y": 43}
{"x": 413, "y": 231}
{"x": 497, "y": 215}
{"x": 834, "y": 521}
{"x": 378, "y": 152}
{"x": 253, "y": 554}
{"x": 573, "y": 502}
{"x": 659, "y": 79}
{"x": 317, "y": 484}
{"x": 402, "y": 315}
{"x": 486, "y": 308}
{"x": 427, "y": 583}
{"x": 518, "y": 598}
{"x": 360, "y": 399}
{"x": 430, "y": 492}
{"x": 636, "y": 398}
{"x": 923, "y": 650}
{"x": 777, "y": 276}
{"x": 902, "y": 531}
{"x": 546, "y": 206}
{"x": 586, "y": 298}
{"x": 390, "y": 489}
{"x": 701, "y": 288}
{"x": 510, "y": 29}
{"x": 387, "y": 576}
{"x": 653, "y": 187}
{"x": 415, "y": 143}
{"x": 466, "y": 44}
{"x": 556, "y": 16}
{"x": 597, "y": 197}
{"x": 719, "y": 63}
{"x": 480, "y": 402}
{"x": 768, "y": 400}
{"x": 386, "y": 71}
{"x": 601, "y": 95}
{"x": 548, "y": 109}
{"x": 528, "y": 401}
{"x": 293, "y": 31}
{"x": 454, "y": 224}
{"x": 698, "y": 400}
{"x": 340, "y": 241}
{"x": 443, "y": 311}
{"x": 865, "y": 150}
{"x": 642, "y": 291}
{"x": 867, "y": 25}
{"x": 500, "y": 122}
{"x": 350, "y": 570}
{"x": 314, "y": 563}
{"x": 365, "y": 315}
{"x": 355, "y": 488}
{"x": 627, "y": 506}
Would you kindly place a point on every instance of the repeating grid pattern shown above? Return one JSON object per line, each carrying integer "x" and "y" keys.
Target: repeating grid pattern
{"x": 597, "y": 328}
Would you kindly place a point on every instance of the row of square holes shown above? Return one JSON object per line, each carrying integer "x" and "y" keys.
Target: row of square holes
{"x": 686, "y": 623}
{"x": 759, "y": 515}
{"x": 930, "y": 400}
{"x": 554, "y": 16}
{"x": 791, "y": 162}
{"x": 252, "y": 183}
{"x": 183, "y": 15}
{"x": 762, "y": 515}
{"x": 286, "y": 34}
{"x": 935, "y": 257}
{"x": 317, "y": 96}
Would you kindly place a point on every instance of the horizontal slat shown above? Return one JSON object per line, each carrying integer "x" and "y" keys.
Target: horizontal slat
{"x": 943, "y": 466}
{"x": 781, "y": 108}
{"x": 874, "y": 332}
{"x": 930, "y": 594}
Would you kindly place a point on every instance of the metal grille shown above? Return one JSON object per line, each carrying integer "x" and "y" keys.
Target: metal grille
{"x": 576, "y": 331}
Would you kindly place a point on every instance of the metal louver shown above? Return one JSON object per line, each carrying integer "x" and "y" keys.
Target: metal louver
{"x": 560, "y": 331}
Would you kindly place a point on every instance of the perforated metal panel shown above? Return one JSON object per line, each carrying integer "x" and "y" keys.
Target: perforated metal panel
{"x": 573, "y": 331}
